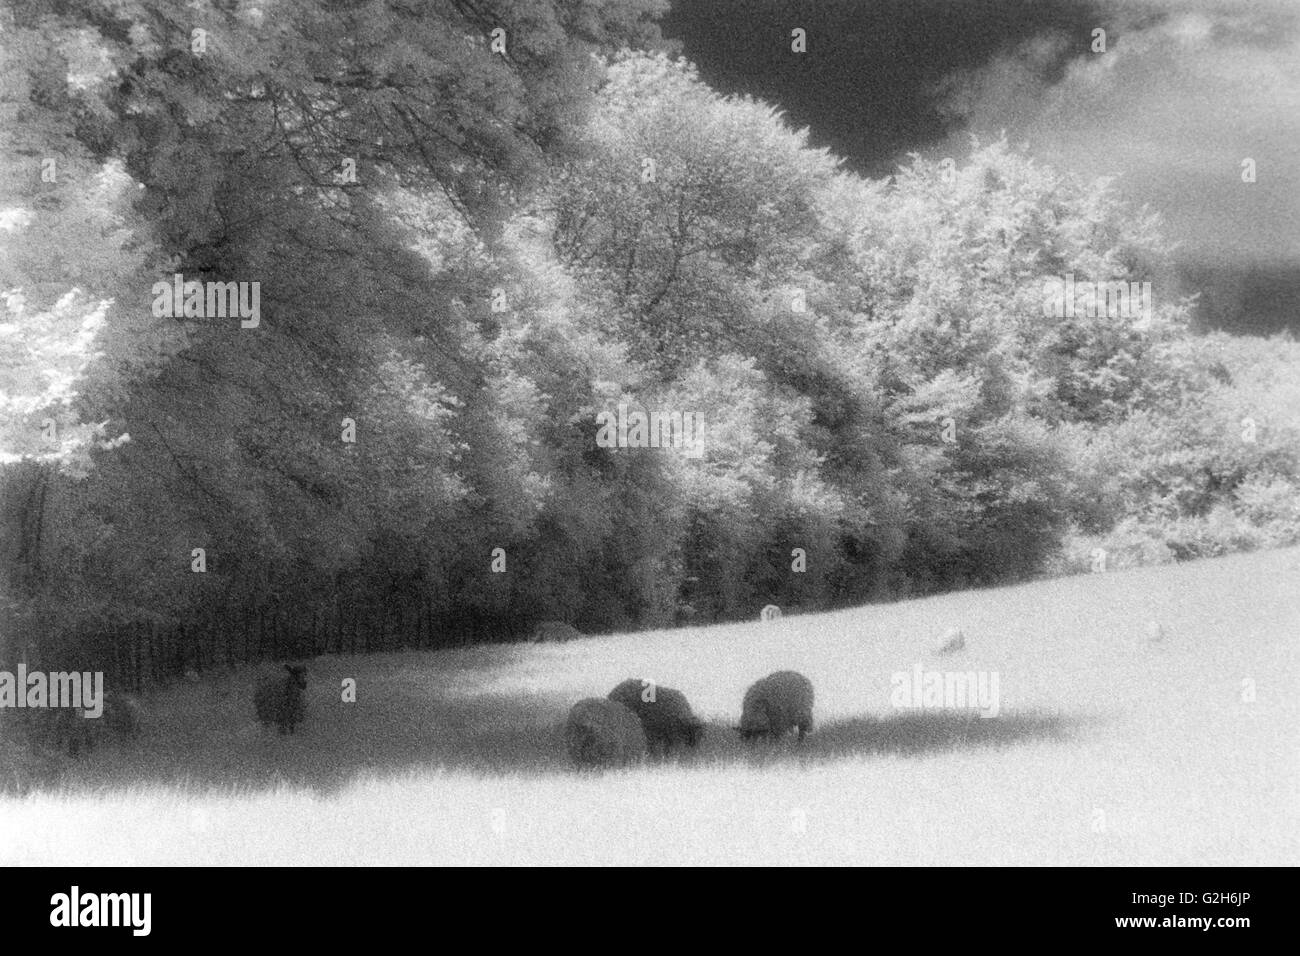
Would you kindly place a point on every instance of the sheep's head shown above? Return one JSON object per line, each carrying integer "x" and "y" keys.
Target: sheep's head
{"x": 299, "y": 674}
{"x": 756, "y": 721}
{"x": 694, "y": 733}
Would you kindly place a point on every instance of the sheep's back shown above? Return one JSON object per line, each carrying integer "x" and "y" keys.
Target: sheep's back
{"x": 669, "y": 715}
{"x": 278, "y": 699}
{"x": 555, "y": 631}
{"x": 778, "y": 702}
{"x": 599, "y": 732}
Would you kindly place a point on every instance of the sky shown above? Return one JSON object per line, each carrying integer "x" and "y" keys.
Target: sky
{"x": 1185, "y": 92}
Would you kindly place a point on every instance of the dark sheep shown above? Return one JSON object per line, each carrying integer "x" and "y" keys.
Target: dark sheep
{"x": 281, "y": 700}
{"x": 667, "y": 719}
{"x": 73, "y": 733}
{"x": 603, "y": 733}
{"x": 775, "y": 704}
{"x": 551, "y": 632}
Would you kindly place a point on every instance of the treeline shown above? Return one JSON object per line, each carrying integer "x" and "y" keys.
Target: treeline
{"x": 475, "y": 228}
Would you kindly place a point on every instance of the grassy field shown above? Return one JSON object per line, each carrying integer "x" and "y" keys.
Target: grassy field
{"x": 1108, "y": 748}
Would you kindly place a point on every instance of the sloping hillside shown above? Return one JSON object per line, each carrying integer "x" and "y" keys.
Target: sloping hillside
{"x": 1108, "y": 748}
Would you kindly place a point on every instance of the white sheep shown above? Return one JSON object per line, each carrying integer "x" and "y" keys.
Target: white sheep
{"x": 664, "y": 712}
{"x": 603, "y": 733}
{"x": 280, "y": 699}
{"x": 554, "y": 631}
{"x": 775, "y": 704}
{"x": 770, "y": 613}
{"x": 1155, "y": 632}
{"x": 953, "y": 640}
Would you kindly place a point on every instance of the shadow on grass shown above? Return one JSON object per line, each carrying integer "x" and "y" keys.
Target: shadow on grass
{"x": 213, "y": 743}
{"x": 336, "y": 746}
{"x": 906, "y": 735}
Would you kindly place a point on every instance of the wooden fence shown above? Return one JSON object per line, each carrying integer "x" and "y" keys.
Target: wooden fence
{"x": 144, "y": 653}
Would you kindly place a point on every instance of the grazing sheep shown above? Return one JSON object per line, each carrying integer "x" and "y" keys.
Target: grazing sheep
{"x": 775, "y": 704}
{"x": 72, "y": 732}
{"x": 1155, "y": 632}
{"x": 603, "y": 733}
{"x": 191, "y": 676}
{"x": 770, "y": 613}
{"x": 280, "y": 700}
{"x": 548, "y": 631}
{"x": 953, "y": 640}
{"x": 68, "y": 730}
{"x": 667, "y": 718}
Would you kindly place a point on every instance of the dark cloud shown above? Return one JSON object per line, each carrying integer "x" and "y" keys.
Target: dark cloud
{"x": 1186, "y": 90}
{"x": 868, "y": 84}
{"x": 1183, "y": 95}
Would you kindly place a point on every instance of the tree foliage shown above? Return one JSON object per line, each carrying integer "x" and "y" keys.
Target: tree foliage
{"x": 468, "y": 253}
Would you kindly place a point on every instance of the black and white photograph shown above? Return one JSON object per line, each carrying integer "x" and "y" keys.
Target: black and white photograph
{"x": 650, "y": 433}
